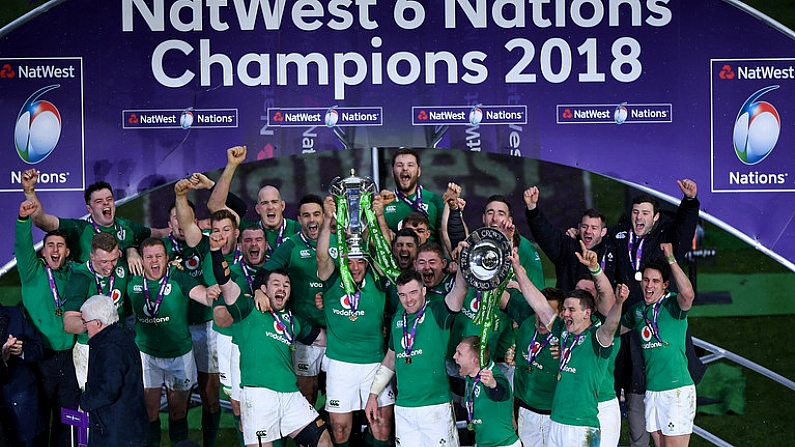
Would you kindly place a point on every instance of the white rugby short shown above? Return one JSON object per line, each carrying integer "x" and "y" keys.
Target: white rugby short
{"x": 348, "y": 386}
{"x": 307, "y": 359}
{"x": 205, "y": 349}
{"x": 427, "y": 425}
{"x": 671, "y": 411}
{"x": 176, "y": 373}
{"x": 267, "y": 415}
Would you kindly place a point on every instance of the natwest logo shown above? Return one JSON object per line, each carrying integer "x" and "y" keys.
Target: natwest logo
{"x": 7, "y": 72}
{"x": 726, "y": 72}
{"x": 766, "y": 72}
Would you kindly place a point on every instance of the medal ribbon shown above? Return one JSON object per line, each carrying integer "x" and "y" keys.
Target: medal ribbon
{"x": 639, "y": 254}
{"x": 279, "y": 236}
{"x": 565, "y": 354}
{"x": 175, "y": 246}
{"x": 469, "y": 397}
{"x": 532, "y": 353}
{"x": 408, "y": 338}
{"x": 415, "y": 204}
{"x": 154, "y": 308}
{"x": 384, "y": 259}
{"x": 652, "y": 324}
{"x": 307, "y": 242}
{"x": 288, "y": 334}
{"x": 53, "y": 287}
{"x": 488, "y": 301}
{"x": 249, "y": 277}
{"x": 97, "y": 229}
{"x": 98, "y": 282}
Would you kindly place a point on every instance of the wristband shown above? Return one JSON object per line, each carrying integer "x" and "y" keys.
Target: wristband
{"x": 382, "y": 377}
{"x": 671, "y": 259}
{"x": 595, "y": 272}
{"x": 220, "y": 267}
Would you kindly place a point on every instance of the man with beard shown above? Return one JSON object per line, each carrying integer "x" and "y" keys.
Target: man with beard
{"x": 269, "y": 204}
{"x": 404, "y": 248}
{"x": 584, "y": 353}
{"x": 416, "y": 356}
{"x": 409, "y": 196}
{"x": 355, "y": 347}
{"x": 200, "y": 323}
{"x": 105, "y": 273}
{"x": 159, "y": 301}
{"x": 637, "y": 241}
{"x": 44, "y": 283}
{"x": 560, "y": 248}
{"x": 297, "y": 256}
{"x": 273, "y": 406}
{"x": 101, "y": 207}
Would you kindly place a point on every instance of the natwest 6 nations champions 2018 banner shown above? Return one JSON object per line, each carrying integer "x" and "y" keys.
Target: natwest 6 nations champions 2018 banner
{"x": 647, "y": 91}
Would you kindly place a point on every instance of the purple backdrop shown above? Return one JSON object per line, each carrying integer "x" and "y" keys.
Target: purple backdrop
{"x": 645, "y": 91}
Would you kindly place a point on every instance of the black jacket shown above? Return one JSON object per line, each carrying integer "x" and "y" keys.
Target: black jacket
{"x": 679, "y": 232}
{"x": 114, "y": 395}
{"x": 18, "y": 384}
{"x": 561, "y": 249}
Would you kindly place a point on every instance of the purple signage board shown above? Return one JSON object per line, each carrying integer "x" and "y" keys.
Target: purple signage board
{"x": 646, "y": 92}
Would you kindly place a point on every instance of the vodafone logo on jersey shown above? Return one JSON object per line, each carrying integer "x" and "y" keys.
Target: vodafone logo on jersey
{"x": 646, "y": 333}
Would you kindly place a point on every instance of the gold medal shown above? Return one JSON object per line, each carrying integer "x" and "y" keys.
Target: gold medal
{"x": 529, "y": 369}
{"x": 353, "y": 317}
{"x": 471, "y": 426}
{"x": 292, "y": 347}
{"x": 58, "y": 312}
{"x": 558, "y": 377}
{"x": 408, "y": 360}
{"x": 638, "y": 276}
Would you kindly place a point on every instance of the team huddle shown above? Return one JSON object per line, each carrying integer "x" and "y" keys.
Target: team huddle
{"x": 274, "y": 314}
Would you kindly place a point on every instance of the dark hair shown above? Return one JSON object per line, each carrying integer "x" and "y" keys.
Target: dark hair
{"x": 406, "y": 151}
{"x": 585, "y": 298}
{"x": 251, "y": 228}
{"x": 498, "y": 198}
{"x": 310, "y": 198}
{"x": 224, "y": 214}
{"x": 152, "y": 242}
{"x": 406, "y": 232}
{"x": 408, "y": 276}
{"x": 190, "y": 204}
{"x": 647, "y": 198}
{"x": 104, "y": 241}
{"x": 595, "y": 213}
{"x": 55, "y": 233}
{"x": 659, "y": 264}
{"x": 264, "y": 275}
{"x": 554, "y": 294}
{"x": 415, "y": 218}
{"x": 94, "y": 187}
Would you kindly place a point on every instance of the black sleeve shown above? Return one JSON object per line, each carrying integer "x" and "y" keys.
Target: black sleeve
{"x": 684, "y": 227}
{"x": 500, "y": 392}
{"x": 554, "y": 243}
{"x": 455, "y": 228}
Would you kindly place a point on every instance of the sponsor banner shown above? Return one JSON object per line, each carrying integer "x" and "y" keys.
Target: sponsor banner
{"x": 329, "y": 117}
{"x": 526, "y": 79}
{"x": 42, "y": 122}
{"x": 179, "y": 119}
{"x": 752, "y": 132}
{"x": 468, "y": 115}
{"x": 614, "y": 114}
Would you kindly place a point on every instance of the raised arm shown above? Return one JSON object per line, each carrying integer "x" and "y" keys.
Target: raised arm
{"x": 378, "y": 209}
{"x": 686, "y": 220}
{"x": 606, "y": 297}
{"x": 46, "y": 222}
{"x": 534, "y": 297}
{"x": 455, "y": 298}
{"x": 605, "y": 333}
{"x": 686, "y": 294}
{"x": 325, "y": 265}
{"x": 185, "y": 216}
{"x": 453, "y": 229}
{"x": 229, "y": 289}
{"x": 234, "y": 157}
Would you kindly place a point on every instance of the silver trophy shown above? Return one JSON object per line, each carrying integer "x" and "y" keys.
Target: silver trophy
{"x": 486, "y": 262}
{"x": 351, "y": 189}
